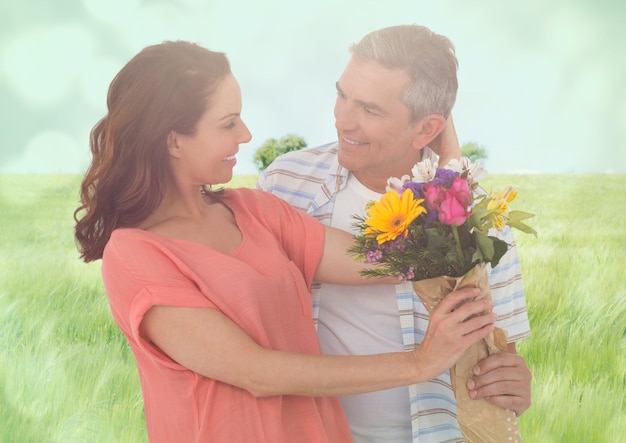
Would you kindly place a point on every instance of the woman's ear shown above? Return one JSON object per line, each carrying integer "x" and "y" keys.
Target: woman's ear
{"x": 172, "y": 144}
{"x": 427, "y": 129}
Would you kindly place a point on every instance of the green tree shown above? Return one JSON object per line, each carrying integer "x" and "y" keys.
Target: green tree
{"x": 475, "y": 152}
{"x": 272, "y": 148}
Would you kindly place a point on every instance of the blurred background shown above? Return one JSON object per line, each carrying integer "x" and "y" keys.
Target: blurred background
{"x": 539, "y": 81}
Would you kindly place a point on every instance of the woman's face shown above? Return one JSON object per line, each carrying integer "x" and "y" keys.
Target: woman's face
{"x": 208, "y": 156}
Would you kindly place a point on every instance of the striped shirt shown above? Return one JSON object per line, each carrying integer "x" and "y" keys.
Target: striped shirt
{"x": 309, "y": 180}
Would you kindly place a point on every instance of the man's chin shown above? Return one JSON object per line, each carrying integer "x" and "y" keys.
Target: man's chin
{"x": 349, "y": 160}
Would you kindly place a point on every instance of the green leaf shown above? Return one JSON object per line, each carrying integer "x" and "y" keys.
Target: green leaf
{"x": 500, "y": 247}
{"x": 485, "y": 245}
{"x": 478, "y": 219}
{"x": 478, "y": 256}
{"x": 435, "y": 239}
{"x": 515, "y": 218}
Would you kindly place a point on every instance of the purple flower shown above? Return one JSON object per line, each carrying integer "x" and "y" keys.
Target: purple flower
{"x": 373, "y": 256}
{"x": 397, "y": 244}
{"x": 431, "y": 218}
{"x": 417, "y": 188}
{"x": 409, "y": 275}
{"x": 444, "y": 177}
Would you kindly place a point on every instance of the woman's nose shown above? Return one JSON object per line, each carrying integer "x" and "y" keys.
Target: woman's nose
{"x": 246, "y": 135}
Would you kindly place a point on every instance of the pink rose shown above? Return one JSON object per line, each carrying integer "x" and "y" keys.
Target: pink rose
{"x": 433, "y": 195}
{"x": 453, "y": 209}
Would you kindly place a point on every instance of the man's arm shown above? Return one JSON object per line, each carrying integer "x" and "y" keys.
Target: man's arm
{"x": 504, "y": 379}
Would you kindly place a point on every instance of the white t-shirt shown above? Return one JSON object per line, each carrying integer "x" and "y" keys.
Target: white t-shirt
{"x": 364, "y": 320}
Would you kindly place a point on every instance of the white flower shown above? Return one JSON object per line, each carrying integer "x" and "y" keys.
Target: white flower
{"x": 396, "y": 184}
{"x": 424, "y": 171}
{"x": 475, "y": 171}
{"x": 458, "y": 165}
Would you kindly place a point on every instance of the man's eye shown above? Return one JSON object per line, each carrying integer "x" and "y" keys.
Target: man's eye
{"x": 368, "y": 110}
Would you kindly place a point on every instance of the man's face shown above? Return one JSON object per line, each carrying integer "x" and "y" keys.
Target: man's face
{"x": 373, "y": 123}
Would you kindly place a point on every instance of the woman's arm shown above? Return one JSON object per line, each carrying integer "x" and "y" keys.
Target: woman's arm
{"x": 207, "y": 342}
{"x": 446, "y": 144}
{"x": 340, "y": 268}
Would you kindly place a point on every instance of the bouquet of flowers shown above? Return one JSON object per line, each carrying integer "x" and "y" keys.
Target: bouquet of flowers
{"x": 436, "y": 230}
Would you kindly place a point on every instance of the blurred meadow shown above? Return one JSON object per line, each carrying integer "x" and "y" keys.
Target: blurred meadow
{"x": 67, "y": 374}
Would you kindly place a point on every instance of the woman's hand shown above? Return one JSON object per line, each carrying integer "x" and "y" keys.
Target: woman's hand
{"x": 446, "y": 144}
{"x": 456, "y": 323}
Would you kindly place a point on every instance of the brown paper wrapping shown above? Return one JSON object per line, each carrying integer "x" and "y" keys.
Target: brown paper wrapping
{"x": 480, "y": 421}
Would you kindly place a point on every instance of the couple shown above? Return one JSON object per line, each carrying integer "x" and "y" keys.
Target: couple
{"x": 212, "y": 287}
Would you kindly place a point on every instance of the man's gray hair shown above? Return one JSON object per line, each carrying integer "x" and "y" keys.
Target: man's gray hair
{"x": 428, "y": 58}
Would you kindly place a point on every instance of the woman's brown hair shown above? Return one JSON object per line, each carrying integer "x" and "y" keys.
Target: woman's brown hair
{"x": 164, "y": 87}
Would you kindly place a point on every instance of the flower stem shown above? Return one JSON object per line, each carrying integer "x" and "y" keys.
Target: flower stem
{"x": 459, "y": 249}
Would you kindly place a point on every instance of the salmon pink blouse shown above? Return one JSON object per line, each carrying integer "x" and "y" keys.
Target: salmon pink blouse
{"x": 263, "y": 286}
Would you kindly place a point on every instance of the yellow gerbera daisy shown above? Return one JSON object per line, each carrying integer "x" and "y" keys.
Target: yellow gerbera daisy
{"x": 392, "y": 215}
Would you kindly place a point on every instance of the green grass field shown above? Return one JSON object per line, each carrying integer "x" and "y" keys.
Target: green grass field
{"x": 67, "y": 375}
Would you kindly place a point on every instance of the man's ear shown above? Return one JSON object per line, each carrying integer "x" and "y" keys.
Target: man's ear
{"x": 172, "y": 144}
{"x": 427, "y": 129}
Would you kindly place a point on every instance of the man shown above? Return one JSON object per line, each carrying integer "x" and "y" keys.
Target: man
{"x": 394, "y": 99}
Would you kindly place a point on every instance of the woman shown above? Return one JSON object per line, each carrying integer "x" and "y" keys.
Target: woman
{"x": 211, "y": 288}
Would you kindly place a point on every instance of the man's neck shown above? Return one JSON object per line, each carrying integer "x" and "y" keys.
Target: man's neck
{"x": 372, "y": 182}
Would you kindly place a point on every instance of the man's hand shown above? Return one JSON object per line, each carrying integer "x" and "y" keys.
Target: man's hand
{"x": 502, "y": 379}
{"x": 446, "y": 144}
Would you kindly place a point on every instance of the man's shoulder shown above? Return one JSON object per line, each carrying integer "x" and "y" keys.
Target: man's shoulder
{"x": 312, "y": 164}
{"x": 311, "y": 158}
{"x": 299, "y": 177}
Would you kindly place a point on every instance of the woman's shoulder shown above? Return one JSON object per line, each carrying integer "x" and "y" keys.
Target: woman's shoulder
{"x": 252, "y": 198}
{"x": 122, "y": 235}
{"x": 131, "y": 242}
{"x": 261, "y": 206}
{"x": 143, "y": 252}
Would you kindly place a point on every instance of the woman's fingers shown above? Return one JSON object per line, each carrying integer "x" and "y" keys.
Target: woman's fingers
{"x": 455, "y": 324}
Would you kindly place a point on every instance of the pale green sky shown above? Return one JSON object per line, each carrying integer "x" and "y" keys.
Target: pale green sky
{"x": 540, "y": 82}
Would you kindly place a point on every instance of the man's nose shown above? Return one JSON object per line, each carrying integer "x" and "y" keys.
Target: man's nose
{"x": 345, "y": 118}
